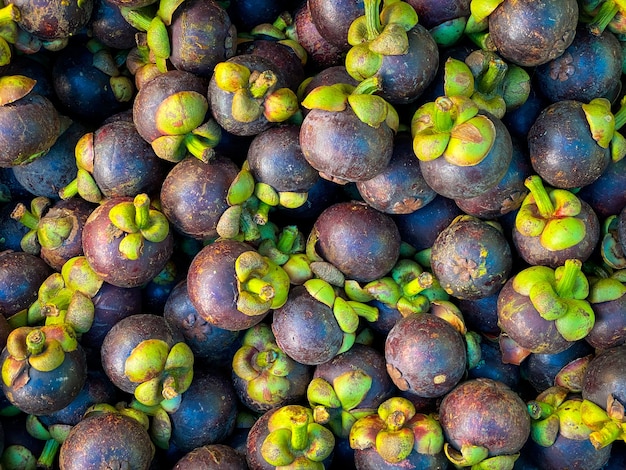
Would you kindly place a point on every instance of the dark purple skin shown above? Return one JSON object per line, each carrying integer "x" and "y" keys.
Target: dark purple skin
{"x": 491, "y": 366}
{"x": 212, "y": 457}
{"x": 193, "y": 195}
{"x": 591, "y": 67}
{"x": 369, "y": 459}
{"x": 306, "y": 329}
{"x": 606, "y": 195}
{"x": 568, "y": 453}
{"x": 333, "y": 19}
{"x": 101, "y": 241}
{"x": 283, "y": 56}
{"x": 275, "y": 158}
{"x": 28, "y": 126}
{"x": 124, "y": 163}
{"x": 11, "y": 230}
{"x": 421, "y": 227}
{"x": 362, "y": 358}
{"x": 53, "y": 20}
{"x": 201, "y": 36}
{"x": 481, "y": 315}
{"x": 604, "y": 376}
{"x": 425, "y": 355}
{"x": 486, "y": 413}
{"x": 342, "y": 147}
{"x": 47, "y": 392}
{"x": 110, "y": 28}
{"x": 609, "y": 328}
{"x": 78, "y": 210}
{"x": 471, "y": 259}
{"x": 522, "y": 323}
{"x": 21, "y": 274}
{"x": 540, "y": 370}
{"x": 212, "y": 285}
{"x": 561, "y": 148}
{"x": 400, "y": 188}
{"x": 207, "y": 412}
{"x": 508, "y": 194}
{"x": 531, "y": 250}
{"x": 458, "y": 182}
{"x": 360, "y": 241}
{"x": 530, "y": 33}
{"x": 220, "y": 101}
{"x": 107, "y": 439}
{"x": 320, "y": 51}
{"x": 124, "y": 336}
{"x": 432, "y": 13}
{"x": 46, "y": 175}
{"x": 405, "y": 77}
{"x": 155, "y": 91}
{"x": 215, "y": 345}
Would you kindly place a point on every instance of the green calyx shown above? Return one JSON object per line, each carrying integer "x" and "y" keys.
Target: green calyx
{"x": 42, "y": 348}
{"x": 255, "y": 94}
{"x": 84, "y": 184}
{"x": 396, "y": 430}
{"x": 295, "y": 439}
{"x": 376, "y": 34}
{"x": 263, "y": 365}
{"x": 606, "y": 289}
{"x": 604, "y": 125}
{"x": 14, "y": 87}
{"x": 337, "y": 405}
{"x": 371, "y": 109}
{"x": 554, "y": 412}
{"x": 140, "y": 223}
{"x": 161, "y": 372}
{"x": 607, "y": 424}
{"x": 261, "y": 283}
{"x": 559, "y": 295}
{"x": 550, "y": 214}
{"x": 610, "y": 246}
{"x": 452, "y": 127}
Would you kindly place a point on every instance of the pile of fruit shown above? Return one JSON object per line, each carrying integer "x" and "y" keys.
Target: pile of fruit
{"x": 320, "y": 234}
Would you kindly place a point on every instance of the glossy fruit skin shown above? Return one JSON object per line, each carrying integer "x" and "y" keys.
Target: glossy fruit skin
{"x": 425, "y": 355}
{"x": 487, "y": 413}
{"x": 101, "y": 241}
{"x": 207, "y": 412}
{"x": 193, "y": 195}
{"x": 212, "y": 285}
{"x": 321, "y": 52}
{"x": 458, "y": 182}
{"x": 21, "y": 274}
{"x": 530, "y": 33}
{"x": 432, "y": 13}
{"x": 591, "y": 67}
{"x": 333, "y": 19}
{"x": 110, "y": 28}
{"x": 124, "y": 336}
{"x": 212, "y": 457}
{"x": 201, "y": 35}
{"x": 47, "y": 392}
{"x": 360, "y": 241}
{"x": 609, "y": 329}
{"x": 102, "y": 439}
{"x": 53, "y": 20}
{"x": 400, "y": 188}
{"x": 604, "y": 376}
{"x": 606, "y": 195}
{"x": 306, "y": 329}
{"x": 471, "y": 258}
{"x": 342, "y": 147}
{"x": 561, "y": 148}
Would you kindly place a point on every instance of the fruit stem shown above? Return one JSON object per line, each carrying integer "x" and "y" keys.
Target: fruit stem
{"x": 199, "y": 148}
{"x": 35, "y": 342}
{"x": 258, "y": 286}
{"x": 607, "y": 434}
{"x": 417, "y": 285}
{"x": 142, "y": 210}
{"x": 265, "y": 359}
{"x": 620, "y": 115}
{"x": 287, "y": 239}
{"x": 541, "y": 196}
{"x": 443, "y": 114}
{"x": 48, "y": 454}
{"x": 299, "y": 432}
{"x": 260, "y": 83}
{"x": 571, "y": 271}
{"x": 369, "y": 86}
{"x": 539, "y": 410}
{"x": 24, "y": 216}
{"x": 372, "y": 17}
{"x": 493, "y": 76}
{"x": 70, "y": 190}
{"x": 605, "y": 14}
{"x": 395, "y": 420}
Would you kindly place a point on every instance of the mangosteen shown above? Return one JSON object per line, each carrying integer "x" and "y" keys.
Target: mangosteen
{"x": 212, "y": 457}
{"x": 50, "y": 21}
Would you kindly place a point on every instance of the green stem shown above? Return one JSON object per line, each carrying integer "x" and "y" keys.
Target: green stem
{"x": 417, "y": 285}
{"x": 35, "y": 341}
{"x": 443, "y": 114}
{"x": 299, "y": 432}
{"x": 260, "y": 287}
{"x": 262, "y": 83}
{"x": 199, "y": 148}
{"x": 372, "y": 17}
{"x": 541, "y": 196}
{"x": 493, "y": 76}
{"x": 609, "y": 433}
{"x": 70, "y": 190}
{"x": 369, "y": 86}
{"x": 565, "y": 285}
{"x": 395, "y": 420}
{"x": 25, "y": 217}
{"x": 136, "y": 18}
{"x": 603, "y": 17}
{"x": 620, "y": 115}
{"x": 142, "y": 210}
{"x": 265, "y": 359}
{"x": 287, "y": 238}
{"x": 48, "y": 454}
{"x": 539, "y": 409}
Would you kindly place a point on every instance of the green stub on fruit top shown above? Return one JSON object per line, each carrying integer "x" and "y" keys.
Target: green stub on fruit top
{"x": 550, "y": 214}
{"x": 451, "y": 127}
{"x": 14, "y": 87}
{"x": 181, "y": 113}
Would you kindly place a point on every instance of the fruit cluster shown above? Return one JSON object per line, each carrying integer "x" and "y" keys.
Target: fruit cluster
{"x": 312, "y": 234}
